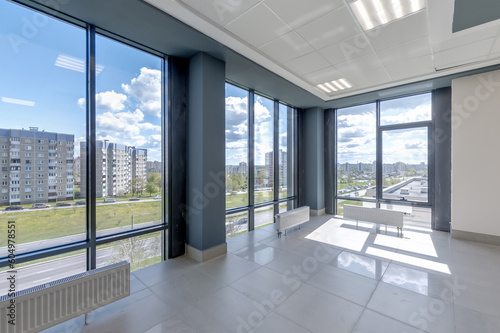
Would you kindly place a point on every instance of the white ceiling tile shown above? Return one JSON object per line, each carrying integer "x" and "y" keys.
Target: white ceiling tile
{"x": 258, "y": 26}
{"x": 464, "y": 38}
{"x": 414, "y": 49}
{"x": 404, "y": 30}
{"x": 367, "y": 78}
{"x": 287, "y": 47}
{"x": 323, "y": 75}
{"x": 364, "y": 64}
{"x": 221, "y": 12}
{"x": 496, "y": 46}
{"x": 464, "y": 54}
{"x": 347, "y": 50}
{"x": 331, "y": 28}
{"x": 300, "y": 12}
{"x": 410, "y": 68}
{"x": 307, "y": 64}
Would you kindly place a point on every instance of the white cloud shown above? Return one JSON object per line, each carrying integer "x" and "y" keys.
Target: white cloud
{"x": 107, "y": 100}
{"x": 147, "y": 89}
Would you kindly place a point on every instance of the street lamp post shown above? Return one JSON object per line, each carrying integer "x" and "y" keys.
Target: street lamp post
{"x": 132, "y": 216}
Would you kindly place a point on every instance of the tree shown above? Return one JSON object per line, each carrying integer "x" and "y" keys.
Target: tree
{"x": 151, "y": 188}
{"x": 137, "y": 185}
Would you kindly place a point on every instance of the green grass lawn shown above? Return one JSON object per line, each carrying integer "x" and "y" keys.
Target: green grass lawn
{"x": 52, "y": 223}
{"x": 241, "y": 199}
{"x": 340, "y": 206}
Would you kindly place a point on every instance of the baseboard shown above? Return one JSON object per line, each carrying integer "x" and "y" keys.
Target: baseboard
{"x": 314, "y": 212}
{"x": 207, "y": 254}
{"x": 475, "y": 237}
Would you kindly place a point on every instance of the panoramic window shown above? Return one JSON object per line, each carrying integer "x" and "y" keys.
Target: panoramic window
{"x": 403, "y": 167}
{"x": 356, "y": 153}
{"x": 406, "y": 109}
{"x": 274, "y": 185}
{"x": 37, "y": 106}
{"x": 128, "y": 137}
{"x": 263, "y": 149}
{"x": 44, "y": 144}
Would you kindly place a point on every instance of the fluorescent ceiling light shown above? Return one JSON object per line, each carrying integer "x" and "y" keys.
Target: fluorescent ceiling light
{"x": 74, "y": 64}
{"x": 330, "y": 86}
{"x": 373, "y": 13}
{"x": 335, "y": 85}
{"x": 17, "y": 101}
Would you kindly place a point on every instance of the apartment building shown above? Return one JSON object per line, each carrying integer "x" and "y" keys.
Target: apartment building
{"x": 117, "y": 165}
{"x": 36, "y": 166}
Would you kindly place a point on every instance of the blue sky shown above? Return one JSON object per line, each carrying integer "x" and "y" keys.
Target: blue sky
{"x": 43, "y": 84}
{"x": 357, "y": 131}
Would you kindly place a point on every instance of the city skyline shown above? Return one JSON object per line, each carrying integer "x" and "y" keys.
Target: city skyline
{"x": 52, "y": 86}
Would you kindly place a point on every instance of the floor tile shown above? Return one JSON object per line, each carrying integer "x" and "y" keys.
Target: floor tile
{"x": 423, "y": 312}
{"x": 360, "y": 264}
{"x": 265, "y": 284}
{"x": 186, "y": 289}
{"x": 478, "y": 298}
{"x": 467, "y": 321}
{"x": 259, "y": 253}
{"x": 228, "y": 268}
{"x": 353, "y": 287}
{"x": 319, "y": 251}
{"x": 296, "y": 267}
{"x": 276, "y": 323}
{"x": 226, "y": 311}
{"x": 318, "y": 311}
{"x": 173, "y": 324}
{"x": 421, "y": 282}
{"x": 373, "y": 322}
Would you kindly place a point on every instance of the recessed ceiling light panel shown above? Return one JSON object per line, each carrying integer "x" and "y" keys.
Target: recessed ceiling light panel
{"x": 334, "y": 85}
{"x": 374, "y": 13}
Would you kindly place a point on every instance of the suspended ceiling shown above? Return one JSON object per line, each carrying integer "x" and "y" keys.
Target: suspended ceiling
{"x": 319, "y": 41}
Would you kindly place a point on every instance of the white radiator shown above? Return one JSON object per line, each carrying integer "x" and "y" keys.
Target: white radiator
{"x": 44, "y": 306}
{"x": 375, "y": 215}
{"x": 291, "y": 218}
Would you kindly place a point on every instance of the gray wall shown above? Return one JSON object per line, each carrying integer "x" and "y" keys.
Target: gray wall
{"x": 313, "y": 159}
{"x": 206, "y": 153}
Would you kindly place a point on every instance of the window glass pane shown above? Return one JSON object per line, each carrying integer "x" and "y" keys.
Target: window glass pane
{"x": 404, "y": 159}
{"x": 140, "y": 251}
{"x": 286, "y": 157}
{"x": 37, "y": 272}
{"x": 406, "y": 109}
{"x": 263, "y": 156}
{"x": 236, "y": 147}
{"x": 415, "y": 217}
{"x": 342, "y": 202}
{"x": 264, "y": 216}
{"x": 128, "y": 134}
{"x": 356, "y": 147}
{"x": 236, "y": 224}
{"x": 42, "y": 79}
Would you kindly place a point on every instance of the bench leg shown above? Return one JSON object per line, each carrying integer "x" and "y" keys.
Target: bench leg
{"x": 356, "y": 224}
{"x": 386, "y": 229}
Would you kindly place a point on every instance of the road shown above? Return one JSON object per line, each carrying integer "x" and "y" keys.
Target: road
{"x": 26, "y": 247}
{"x": 40, "y": 273}
{"x": 73, "y": 206}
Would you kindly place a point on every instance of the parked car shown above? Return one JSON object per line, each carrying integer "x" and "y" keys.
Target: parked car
{"x": 80, "y": 202}
{"x": 40, "y": 205}
{"x": 14, "y": 208}
{"x": 109, "y": 200}
{"x": 63, "y": 204}
{"x": 134, "y": 199}
{"x": 158, "y": 197}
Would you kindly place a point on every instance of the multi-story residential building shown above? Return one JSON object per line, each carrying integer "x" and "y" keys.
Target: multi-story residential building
{"x": 116, "y": 167}
{"x": 36, "y": 166}
{"x": 153, "y": 166}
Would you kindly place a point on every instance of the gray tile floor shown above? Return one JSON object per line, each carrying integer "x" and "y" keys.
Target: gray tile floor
{"x": 327, "y": 276}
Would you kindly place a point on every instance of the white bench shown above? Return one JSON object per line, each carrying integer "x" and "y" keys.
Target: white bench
{"x": 375, "y": 215}
{"x": 291, "y": 218}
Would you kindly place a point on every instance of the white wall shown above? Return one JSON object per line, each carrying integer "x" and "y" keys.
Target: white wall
{"x": 476, "y": 154}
